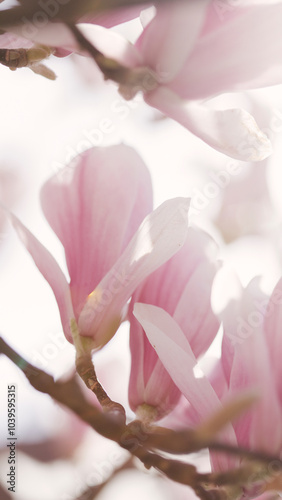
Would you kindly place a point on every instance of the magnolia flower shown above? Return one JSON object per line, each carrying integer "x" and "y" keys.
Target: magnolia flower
{"x": 250, "y": 362}
{"x": 240, "y": 50}
{"x": 223, "y": 52}
{"x": 96, "y": 206}
{"x": 182, "y": 287}
{"x": 215, "y": 58}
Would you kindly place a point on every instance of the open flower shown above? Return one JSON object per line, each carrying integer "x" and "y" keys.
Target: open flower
{"x": 182, "y": 287}
{"x": 215, "y": 58}
{"x": 96, "y": 206}
{"x": 188, "y": 51}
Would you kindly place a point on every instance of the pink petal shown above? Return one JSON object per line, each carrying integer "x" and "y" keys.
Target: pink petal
{"x": 177, "y": 357}
{"x": 233, "y": 132}
{"x": 11, "y": 41}
{"x": 273, "y": 325}
{"x": 168, "y": 40}
{"x": 94, "y": 206}
{"x": 242, "y": 51}
{"x": 52, "y": 34}
{"x": 160, "y": 236}
{"x": 176, "y": 354}
{"x": 149, "y": 381}
{"x": 58, "y": 35}
{"x": 182, "y": 287}
{"x": 111, "y": 45}
{"x": 227, "y": 293}
{"x": 51, "y": 271}
{"x": 193, "y": 312}
{"x": 251, "y": 369}
{"x": 218, "y": 380}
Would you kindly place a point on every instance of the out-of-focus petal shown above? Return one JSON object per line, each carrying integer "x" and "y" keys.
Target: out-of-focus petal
{"x": 168, "y": 40}
{"x": 177, "y": 357}
{"x": 273, "y": 328}
{"x": 51, "y": 272}
{"x": 233, "y": 132}
{"x": 218, "y": 380}
{"x": 242, "y": 51}
{"x": 111, "y": 45}
{"x": 11, "y": 41}
{"x": 52, "y": 34}
{"x": 160, "y": 236}
{"x": 58, "y": 35}
{"x": 94, "y": 206}
{"x": 114, "y": 17}
{"x": 251, "y": 369}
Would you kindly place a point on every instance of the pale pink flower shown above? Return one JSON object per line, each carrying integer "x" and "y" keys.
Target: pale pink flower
{"x": 241, "y": 50}
{"x": 221, "y": 53}
{"x": 95, "y": 206}
{"x": 246, "y": 361}
{"x": 234, "y": 53}
{"x": 182, "y": 287}
{"x": 250, "y": 362}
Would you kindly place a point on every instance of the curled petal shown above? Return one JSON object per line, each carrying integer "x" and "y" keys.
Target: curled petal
{"x": 233, "y": 132}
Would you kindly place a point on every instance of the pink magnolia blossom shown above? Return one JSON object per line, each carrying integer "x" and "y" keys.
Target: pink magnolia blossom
{"x": 222, "y": 53}
{"x": 96, "y": 206}
{"x": 215, "y": 58}
{"x": 250, "y": 362}
{"x": 182, "y": 287}
{"x": 241, "y": 50}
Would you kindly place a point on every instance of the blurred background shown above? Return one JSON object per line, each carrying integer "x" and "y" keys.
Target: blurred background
{"x": 43, "y": 125}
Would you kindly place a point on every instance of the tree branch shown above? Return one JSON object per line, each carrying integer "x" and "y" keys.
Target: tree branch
{"x": 139, "y": 441}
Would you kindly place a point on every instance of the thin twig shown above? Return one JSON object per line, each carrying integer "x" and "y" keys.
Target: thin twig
{"x": 130, "y": 80}
{"x": 86, "y": 371}
{"x": 186, "y": 441}
{"x": 93, "y": 491}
